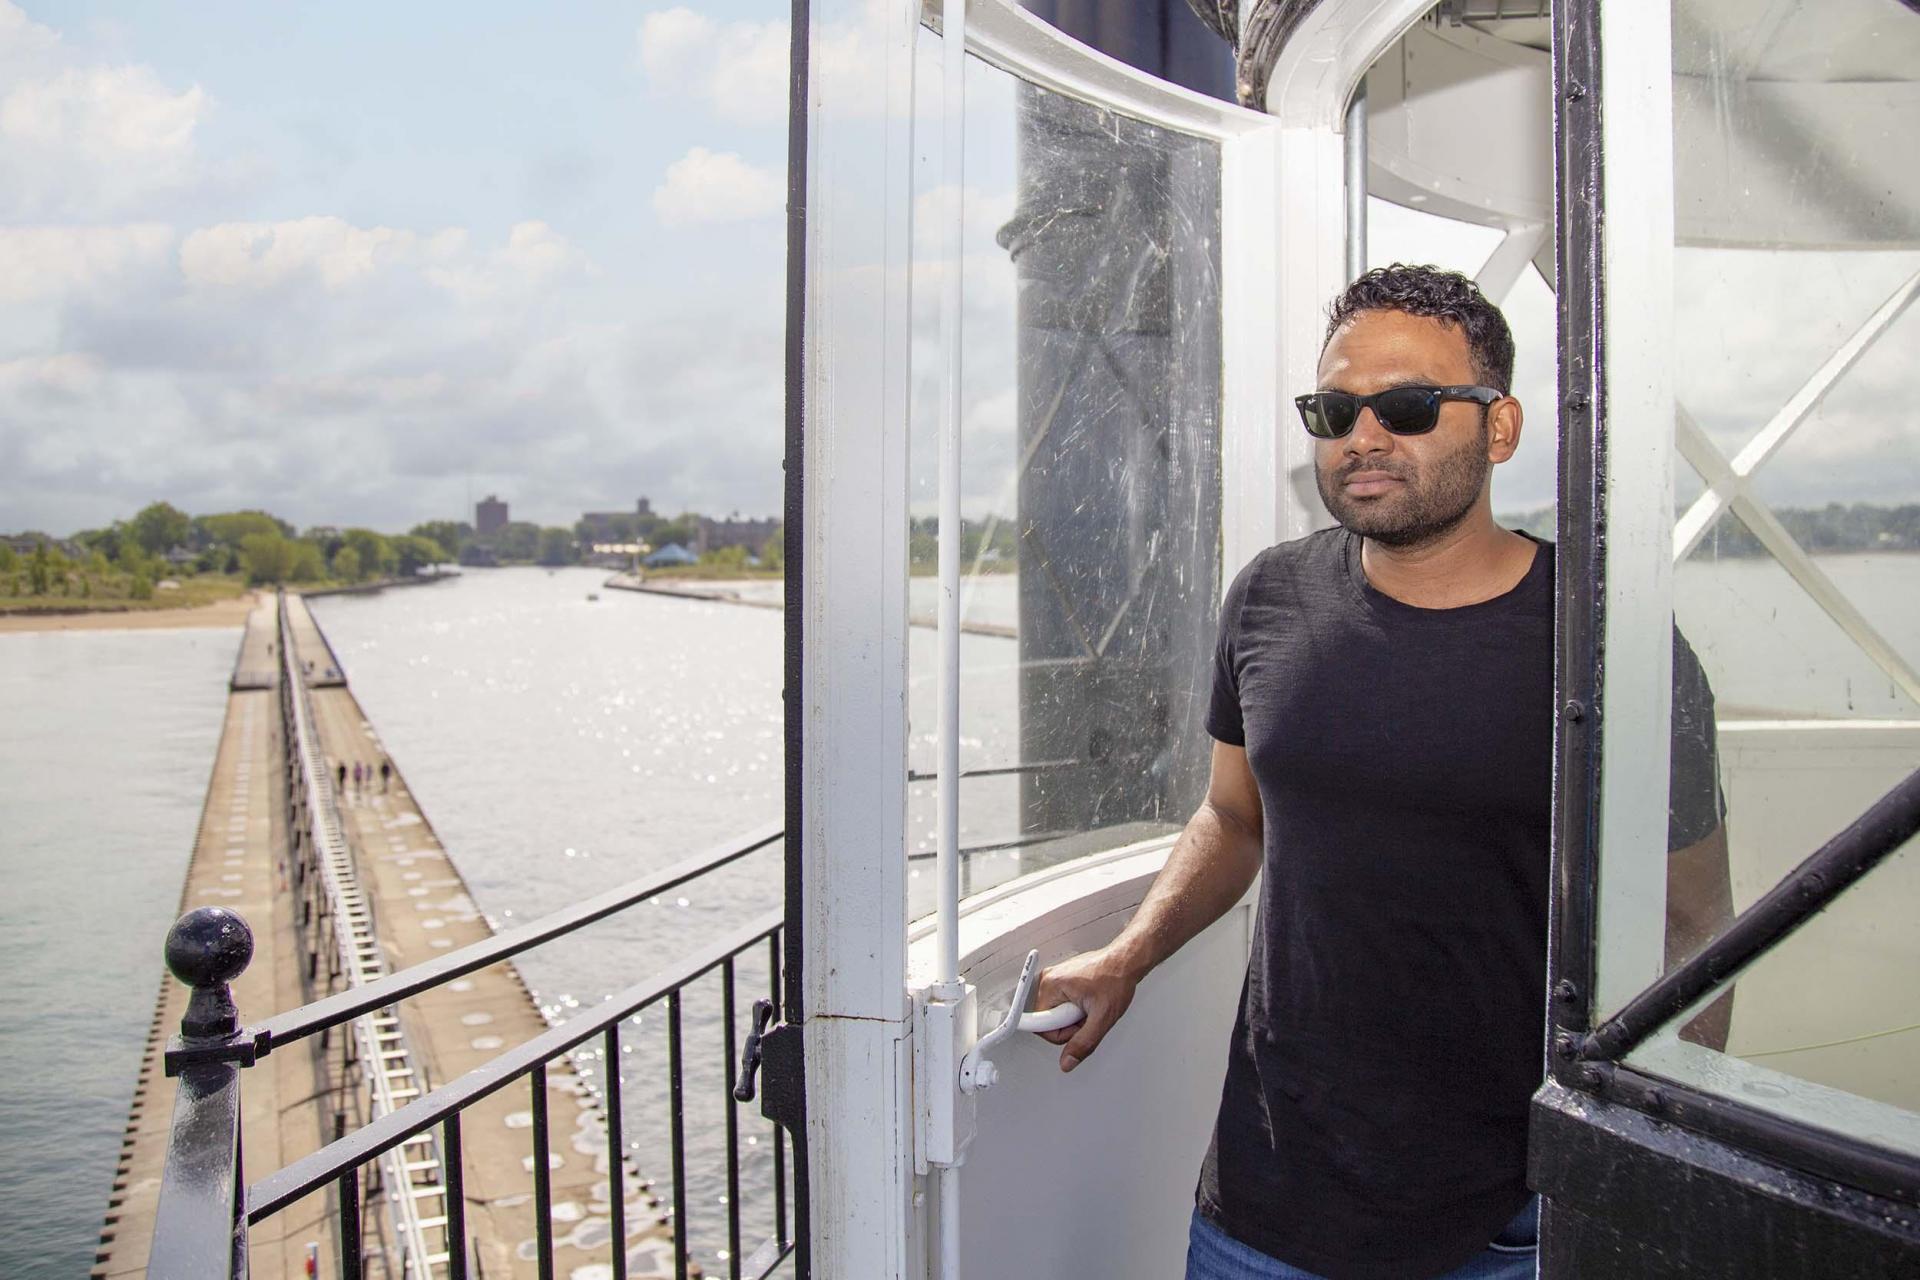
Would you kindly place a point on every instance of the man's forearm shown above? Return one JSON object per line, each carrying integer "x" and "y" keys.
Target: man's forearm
{"x": 1210, "y": 868}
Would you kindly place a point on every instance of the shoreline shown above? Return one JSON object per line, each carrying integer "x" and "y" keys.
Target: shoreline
{"x": 220, "y": 614}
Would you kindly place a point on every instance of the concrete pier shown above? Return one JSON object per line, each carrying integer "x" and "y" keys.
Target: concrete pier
{"x": 236, "y": 864}
{"x": 421, "y": 908}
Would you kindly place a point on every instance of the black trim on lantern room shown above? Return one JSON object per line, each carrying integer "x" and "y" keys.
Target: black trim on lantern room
{"x": 1628, "y": 1194}
{"x": 791, "y": 989}
{"x": 1578, "y": 655}
{"x": 1691, "y": 1164}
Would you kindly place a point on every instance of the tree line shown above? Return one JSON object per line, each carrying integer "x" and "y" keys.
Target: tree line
{"x": 127, "y": 558}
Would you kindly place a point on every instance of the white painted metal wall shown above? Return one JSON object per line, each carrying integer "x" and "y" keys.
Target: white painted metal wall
{"x": 1092, "y": 1174}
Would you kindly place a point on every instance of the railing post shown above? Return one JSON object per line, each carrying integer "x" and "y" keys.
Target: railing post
{"x": 200, "y": 1227}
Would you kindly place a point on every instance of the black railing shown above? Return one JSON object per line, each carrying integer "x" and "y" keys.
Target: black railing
{"x": 202, "y": 1221}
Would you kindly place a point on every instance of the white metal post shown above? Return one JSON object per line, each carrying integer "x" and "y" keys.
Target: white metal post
{"x": 953, "y": 65}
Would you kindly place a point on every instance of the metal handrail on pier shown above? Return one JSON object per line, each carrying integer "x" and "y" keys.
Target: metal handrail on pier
{"x": 320, "y": 858}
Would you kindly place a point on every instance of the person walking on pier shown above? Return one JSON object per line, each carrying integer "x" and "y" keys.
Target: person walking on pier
{"x": 386, "y": 776}
{"x": 341, "y": 770}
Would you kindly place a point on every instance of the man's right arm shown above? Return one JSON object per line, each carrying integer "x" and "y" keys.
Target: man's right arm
{"x": 1211, "y": 866}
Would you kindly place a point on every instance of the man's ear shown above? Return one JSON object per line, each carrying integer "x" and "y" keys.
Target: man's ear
{"x": 1503, "y": 429}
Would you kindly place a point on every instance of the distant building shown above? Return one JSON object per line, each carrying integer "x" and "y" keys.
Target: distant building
{"x": 602, "y": 527}
{"x": 712, "y": 535}
{"x": 671, "y": 556}
{"x": 25, "y": 544}
{"x": 489, "y": 516}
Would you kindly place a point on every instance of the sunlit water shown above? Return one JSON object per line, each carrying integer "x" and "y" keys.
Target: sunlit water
{"x": 106, "y": 742}
{"x": 561, "y": 746}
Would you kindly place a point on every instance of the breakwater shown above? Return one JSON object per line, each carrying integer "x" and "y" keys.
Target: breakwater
{"x": 342, "y": 883}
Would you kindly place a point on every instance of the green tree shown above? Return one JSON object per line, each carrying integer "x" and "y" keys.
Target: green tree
{"x": 161, "y": 526}
{"x": 108, "y": 542}
{"x": 376, "y": 555}
{"x": 134, "y": 560}
{"x": 142, "y": 588}
{"x": 346, "y": 564}
{"x": 40, "y": 569}
{"x": 228, "y": 528}
{"x": 328, "y": 540}
{"x": 97, "y": 565}
{"x": 518, "y": 540}
{"x": 8, "y": 561}
{"x": 308, "y": 565}
{"x": 415, "y": 553}
{"x": 556, "y": 546}
{"x": 452, "y": 535}
{"x": 725, "y": 558}
{"x": 773, "y": 552}
{"x": 267, "y": 558}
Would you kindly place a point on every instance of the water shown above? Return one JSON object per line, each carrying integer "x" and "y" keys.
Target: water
{"x": 106, "y": 742}
{"x": 562, "y": 746}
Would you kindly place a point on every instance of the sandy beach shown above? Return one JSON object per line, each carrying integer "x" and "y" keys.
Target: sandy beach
{"x": 223, "y": 613}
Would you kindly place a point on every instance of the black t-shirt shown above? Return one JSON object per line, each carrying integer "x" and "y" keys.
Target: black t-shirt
{"x": 1373, "y": 1124}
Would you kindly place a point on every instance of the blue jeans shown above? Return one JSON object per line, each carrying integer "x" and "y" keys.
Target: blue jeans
{"x": 1212, "y": 1254}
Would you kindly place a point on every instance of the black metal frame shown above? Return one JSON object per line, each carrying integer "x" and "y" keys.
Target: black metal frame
{"x": 1637, "y": 1170}
{"x": 784, "y": 1097}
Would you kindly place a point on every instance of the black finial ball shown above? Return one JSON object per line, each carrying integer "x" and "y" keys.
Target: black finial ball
{"x": 209, "y": 947}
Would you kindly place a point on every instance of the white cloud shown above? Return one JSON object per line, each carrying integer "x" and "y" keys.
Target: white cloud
{"x": 23, "y": 42}
{"x": 47, "y": 263}
{"x": 86, "y": 138}
{"x": 716, "y": 186}
{"x": 337, "y": 255}
{"x": 66, "y": 375}
{"x": 111, "y": 114}
{"x": 261, "y": 255}
{"x": 740, "y": 69}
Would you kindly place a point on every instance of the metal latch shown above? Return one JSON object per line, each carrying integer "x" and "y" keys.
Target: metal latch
{"x": 778, "y": 1048}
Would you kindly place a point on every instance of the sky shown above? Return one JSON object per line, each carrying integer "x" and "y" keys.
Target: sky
{"x": 354, "y": 264}
{"x": 366, "y": 264}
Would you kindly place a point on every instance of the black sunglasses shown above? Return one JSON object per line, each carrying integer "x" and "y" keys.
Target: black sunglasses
{"x": 1405, "y": 411}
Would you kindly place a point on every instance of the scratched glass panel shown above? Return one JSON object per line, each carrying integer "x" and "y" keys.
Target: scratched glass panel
{"x": 1090, "y": 492}
{"x": 1797, "y": 494}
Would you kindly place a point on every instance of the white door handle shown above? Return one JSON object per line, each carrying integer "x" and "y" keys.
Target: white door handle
{"x": 976, "y": 1070}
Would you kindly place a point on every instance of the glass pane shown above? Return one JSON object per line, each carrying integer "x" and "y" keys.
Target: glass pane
{"x": 1795, "y": 696}
{"x": 1090, "y": 476}
{"x": 1818, "y": 1031}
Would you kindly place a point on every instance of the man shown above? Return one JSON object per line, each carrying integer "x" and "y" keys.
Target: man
{"x": 1383, "y": 720}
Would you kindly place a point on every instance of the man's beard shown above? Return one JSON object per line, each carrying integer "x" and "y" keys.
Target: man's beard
{"x": 1429, "y": 503}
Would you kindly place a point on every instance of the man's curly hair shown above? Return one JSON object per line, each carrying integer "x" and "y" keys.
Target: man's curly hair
{"x": 1442, "y": 295}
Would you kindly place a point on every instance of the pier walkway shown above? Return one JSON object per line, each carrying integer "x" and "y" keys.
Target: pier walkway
{"x": 311, "y": 647}
{"x": 257, "y": 666}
